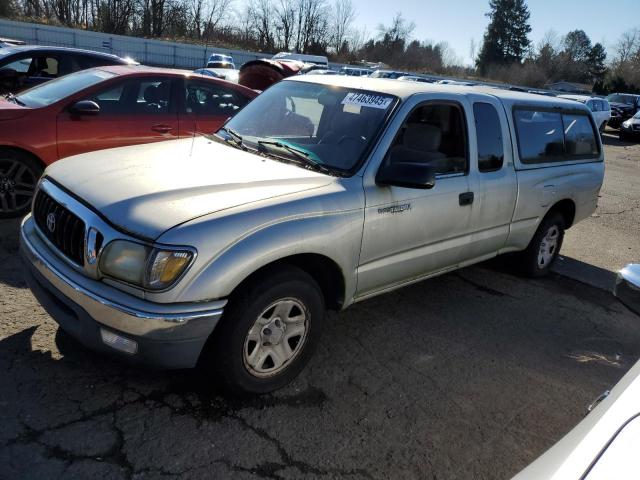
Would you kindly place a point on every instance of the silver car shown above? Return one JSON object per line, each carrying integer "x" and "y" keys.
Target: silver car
{"x": 225, "y": 251}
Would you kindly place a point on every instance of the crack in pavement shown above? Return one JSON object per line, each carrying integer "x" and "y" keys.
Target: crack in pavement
{"x": 269, "y": 469}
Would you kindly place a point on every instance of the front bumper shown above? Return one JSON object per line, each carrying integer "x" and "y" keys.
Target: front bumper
{"x": 629, "y": 131}
{"x": 167, "y": 335}
{"x": 615, "y": 122}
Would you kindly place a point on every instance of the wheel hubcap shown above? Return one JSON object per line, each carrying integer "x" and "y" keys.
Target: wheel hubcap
{"x": 17, "y": 184}
{"x": 548, "y": 246}
{"x": 276, "y": 337}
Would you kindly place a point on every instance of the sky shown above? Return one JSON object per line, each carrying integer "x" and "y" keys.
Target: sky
{"x": 458, "y": 21}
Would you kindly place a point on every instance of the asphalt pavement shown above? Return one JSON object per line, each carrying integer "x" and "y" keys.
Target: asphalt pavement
{"x": 469, "y": 375}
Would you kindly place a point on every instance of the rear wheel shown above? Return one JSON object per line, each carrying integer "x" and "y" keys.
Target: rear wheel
{"x": 19, "y": 174}
{"x": 544, "y": 247}
{"x": 268, "y": 333}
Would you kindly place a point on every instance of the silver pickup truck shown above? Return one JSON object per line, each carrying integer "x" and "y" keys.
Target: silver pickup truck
{"x": 225, "y": 251}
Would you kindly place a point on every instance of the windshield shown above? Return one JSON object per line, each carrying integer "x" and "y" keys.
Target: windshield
{"x": 55, "y": 90}
{"x": 333, "y": 127}
{"x": 617, "y": 98}
{"x": 225, "y": 65}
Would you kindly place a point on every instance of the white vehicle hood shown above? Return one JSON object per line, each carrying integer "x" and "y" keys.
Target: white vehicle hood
{"x": 573, "y": 455}
{"x": 147, "y": 189}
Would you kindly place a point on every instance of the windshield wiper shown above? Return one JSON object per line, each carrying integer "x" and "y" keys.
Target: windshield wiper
{"x": 12, "y": 98}
{"x": 237, "y": 138}
{"x": 298, "y": 153}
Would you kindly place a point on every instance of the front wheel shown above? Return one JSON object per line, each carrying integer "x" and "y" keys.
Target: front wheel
{"x": 19, "y": 175}
{"x": 544, "y": 247}
{"x": 268, "y": 333}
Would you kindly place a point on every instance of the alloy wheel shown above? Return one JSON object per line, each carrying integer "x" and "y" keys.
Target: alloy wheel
{"x": 548, "y": 246}
{"x": 17, "y": 185}
{"x": 276, "y": 337}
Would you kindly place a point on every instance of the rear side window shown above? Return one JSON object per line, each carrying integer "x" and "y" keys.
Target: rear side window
{"x": 489, "y": 134}
{"x": 540, "y": 136}
{"x": 212, "y": 99}
{"x": 545, "y": 136}
{"x": 579, "y": 138}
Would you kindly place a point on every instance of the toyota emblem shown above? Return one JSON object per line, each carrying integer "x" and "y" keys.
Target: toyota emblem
{"x": 51, "y": 222}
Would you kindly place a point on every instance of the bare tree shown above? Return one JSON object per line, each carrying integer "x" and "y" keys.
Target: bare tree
{"x": 358, "y": 38}
{"x": 628, "y": 45}
{"x": 263, "y": 16}
{"x": 342, "y": 18}
{"x": 312, "y": 25}
{"x": 286, "y": 23}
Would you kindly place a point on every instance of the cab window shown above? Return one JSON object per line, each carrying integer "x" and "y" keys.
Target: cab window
{"x": 433, "y": 134}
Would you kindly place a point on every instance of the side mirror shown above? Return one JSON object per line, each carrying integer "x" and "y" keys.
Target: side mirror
{"x": 85, "y": 107}
{"x": 627, "y": 287}
{"x": 407, "y": 174}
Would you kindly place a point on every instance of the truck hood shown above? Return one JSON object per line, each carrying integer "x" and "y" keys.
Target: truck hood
{"x": 147, "y": 189}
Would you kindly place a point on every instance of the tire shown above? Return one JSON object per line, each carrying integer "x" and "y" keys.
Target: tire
{"x": 19, "y": 175}
{"x": 603, "y": 127}
{"x": 534, "y": 262}
{"x": 244, "y": 349}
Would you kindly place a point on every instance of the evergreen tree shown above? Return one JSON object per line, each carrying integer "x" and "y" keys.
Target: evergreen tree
{"x": 505, "y": 41}
{"x": 595, "y": 62}
{"x": 577, "y": 46}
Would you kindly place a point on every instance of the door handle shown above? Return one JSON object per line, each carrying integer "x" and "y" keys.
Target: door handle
{"x": 161, "y": 128}
{"x": 465, "y": 198}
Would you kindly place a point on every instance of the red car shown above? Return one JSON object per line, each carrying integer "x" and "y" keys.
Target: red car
{"x": 101, "y": 108}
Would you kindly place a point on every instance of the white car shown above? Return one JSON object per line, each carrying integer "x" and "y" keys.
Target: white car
{"x": 228, "y": 74}
{"x": 599, "y": 107}
{"x": 414, "y": 78}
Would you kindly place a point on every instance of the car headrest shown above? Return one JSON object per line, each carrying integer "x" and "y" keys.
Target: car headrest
{"x": 422, "y": 136}
{"x": 151, "y": 94}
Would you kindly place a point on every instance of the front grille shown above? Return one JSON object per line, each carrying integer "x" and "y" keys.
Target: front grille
{"x": 66, "y": 231}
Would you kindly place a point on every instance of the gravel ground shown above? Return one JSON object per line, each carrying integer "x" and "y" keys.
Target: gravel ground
{"x": 611, "y": 237}
{"x": 470, "y": 375}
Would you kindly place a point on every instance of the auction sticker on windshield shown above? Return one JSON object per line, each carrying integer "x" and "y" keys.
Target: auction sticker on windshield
{"x": 367, "y": 100}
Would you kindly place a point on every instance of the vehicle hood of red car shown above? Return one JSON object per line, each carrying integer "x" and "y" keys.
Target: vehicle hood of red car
{"x": 148, "y": 189}
{"x": 12, "y": 111}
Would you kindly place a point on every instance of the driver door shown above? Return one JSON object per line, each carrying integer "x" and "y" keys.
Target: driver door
{"x": 412, "y": 233}
{"x": 132, "y": 111}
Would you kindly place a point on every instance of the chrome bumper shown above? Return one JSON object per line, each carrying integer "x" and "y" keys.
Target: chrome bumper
{"x": 113, "y": 308}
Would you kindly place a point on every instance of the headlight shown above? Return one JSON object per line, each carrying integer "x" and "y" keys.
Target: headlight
{"x": 626, "y": 124}
{"x": 144, "y": 266}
